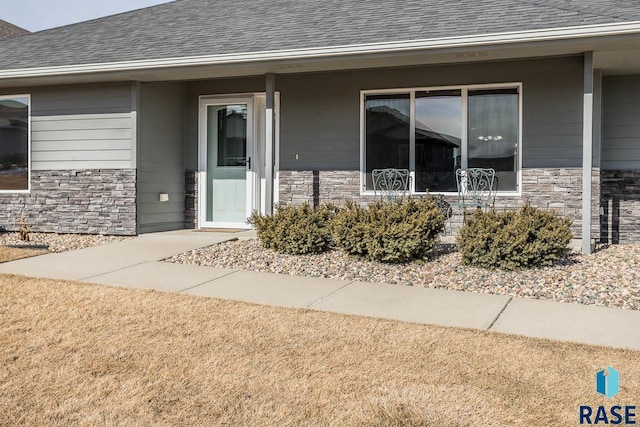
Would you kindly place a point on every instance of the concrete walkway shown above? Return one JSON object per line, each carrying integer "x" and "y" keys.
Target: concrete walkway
{"x": 136, "y": 264}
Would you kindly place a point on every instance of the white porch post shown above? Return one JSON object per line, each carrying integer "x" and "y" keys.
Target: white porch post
{"x": 587, "y": 152}
{"x": 269, "y": 140}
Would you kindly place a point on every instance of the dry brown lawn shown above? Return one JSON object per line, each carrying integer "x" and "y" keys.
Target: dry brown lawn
{"x": 11, "y": 254}
{"x": 78, "y": 354}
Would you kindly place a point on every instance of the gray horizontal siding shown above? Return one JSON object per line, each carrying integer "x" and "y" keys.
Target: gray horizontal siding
{"x": 74, "y": 145}
{"x": 81, "y": 164}
{"x": 167, "y": 184}
{"x": 91, "y": 141}
{"x": 79, "y": 134}
{"x": 320, "y": 113}
{"x": 80, "y": 155}
{"x": 100, "y": 105}
{"x": 160, "y": 157}
{"x": 80, "y": 126}
{"x": 621, "y": 123}
{"x": 81, "y": 99}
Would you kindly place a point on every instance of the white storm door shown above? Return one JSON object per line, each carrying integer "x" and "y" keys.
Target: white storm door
{"x": 226, "y": 157}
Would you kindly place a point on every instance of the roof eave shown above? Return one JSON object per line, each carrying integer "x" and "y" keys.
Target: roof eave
{"x": 435, "y": 44}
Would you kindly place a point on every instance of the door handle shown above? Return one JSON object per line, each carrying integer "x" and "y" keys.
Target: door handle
{"x": 248, "y": 162}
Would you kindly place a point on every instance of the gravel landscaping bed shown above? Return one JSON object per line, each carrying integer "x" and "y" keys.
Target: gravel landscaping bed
{"x": 609, "y": 277}
{"x": 58, "y": 242}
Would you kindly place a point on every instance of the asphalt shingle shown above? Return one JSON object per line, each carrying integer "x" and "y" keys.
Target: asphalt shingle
{"x": 8, "y": 30}
{"x": 208, "y": 27}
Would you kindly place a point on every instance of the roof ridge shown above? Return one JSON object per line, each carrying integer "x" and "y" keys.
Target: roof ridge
{"x": 9, "y": 30}
{"x": 7, "y": 23}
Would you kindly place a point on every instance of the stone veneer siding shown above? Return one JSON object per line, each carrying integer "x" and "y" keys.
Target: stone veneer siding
{"x": 97, "y": 201}
{"x": 621, "y": 206}
{"x": 559, "y": 189}
{"x": 191, "y": 200}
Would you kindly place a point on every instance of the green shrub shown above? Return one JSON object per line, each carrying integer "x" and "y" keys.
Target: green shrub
{"x": 511, "y": 240}
{"x": 393, "y": 232}
{"x": 295, "y": 230}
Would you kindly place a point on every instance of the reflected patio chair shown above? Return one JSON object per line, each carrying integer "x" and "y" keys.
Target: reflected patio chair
{"x": 476, "y": 188}
{"x": 390, "y": 183}
{"x": 447, "y": 213}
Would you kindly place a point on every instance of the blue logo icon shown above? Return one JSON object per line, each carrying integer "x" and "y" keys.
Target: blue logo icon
{"x": 608, "y": 382}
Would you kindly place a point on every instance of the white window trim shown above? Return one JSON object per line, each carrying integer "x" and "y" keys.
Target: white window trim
{"x": 464, "y": 94}
{"x": 28, "y": 190}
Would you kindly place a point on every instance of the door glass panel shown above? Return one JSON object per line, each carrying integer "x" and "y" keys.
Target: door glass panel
{"x": 226, "y": 163}
{"x": 493, "y": 134}
{"x": 438, "y": 139}
{"x": 387, "y": 133}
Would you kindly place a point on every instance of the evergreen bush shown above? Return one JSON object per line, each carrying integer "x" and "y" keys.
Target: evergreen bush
{"x": 393, "y": 232}
{"x": 295, "y": 230}
{"x": 511, "y": 240}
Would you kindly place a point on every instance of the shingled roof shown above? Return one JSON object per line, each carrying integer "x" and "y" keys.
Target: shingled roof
{"x": 185, "y": 28}
{"x": 8, "y": 30}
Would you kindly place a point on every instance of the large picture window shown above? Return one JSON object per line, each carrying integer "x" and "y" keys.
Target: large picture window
{"x": 434, "y": 132}
{"x": 14, "y": 143}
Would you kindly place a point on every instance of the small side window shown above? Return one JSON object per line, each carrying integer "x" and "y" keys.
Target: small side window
{"x": 14, "y": 143}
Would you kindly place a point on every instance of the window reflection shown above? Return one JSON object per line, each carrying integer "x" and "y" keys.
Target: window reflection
{"x": 438, "y": 138}
{"x": 493, "y": 134}
{"x": 14, "y": 143}
{"x": 491, "y": 141}
{"x": 232, "y": 135}
{"x": 387, "y": 133}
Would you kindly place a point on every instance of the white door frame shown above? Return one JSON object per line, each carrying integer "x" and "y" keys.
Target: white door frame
{"x": 260, "y": 117}
{"x": 251, "y": 175}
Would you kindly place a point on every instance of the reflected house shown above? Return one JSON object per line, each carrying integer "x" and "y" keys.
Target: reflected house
{"x": 438, "y": 154}
{"x": 387, "y": 134}
{"x": 231, "y": 132}
{"x": 14, "y": 145}
{"x": 13, "y": 134}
